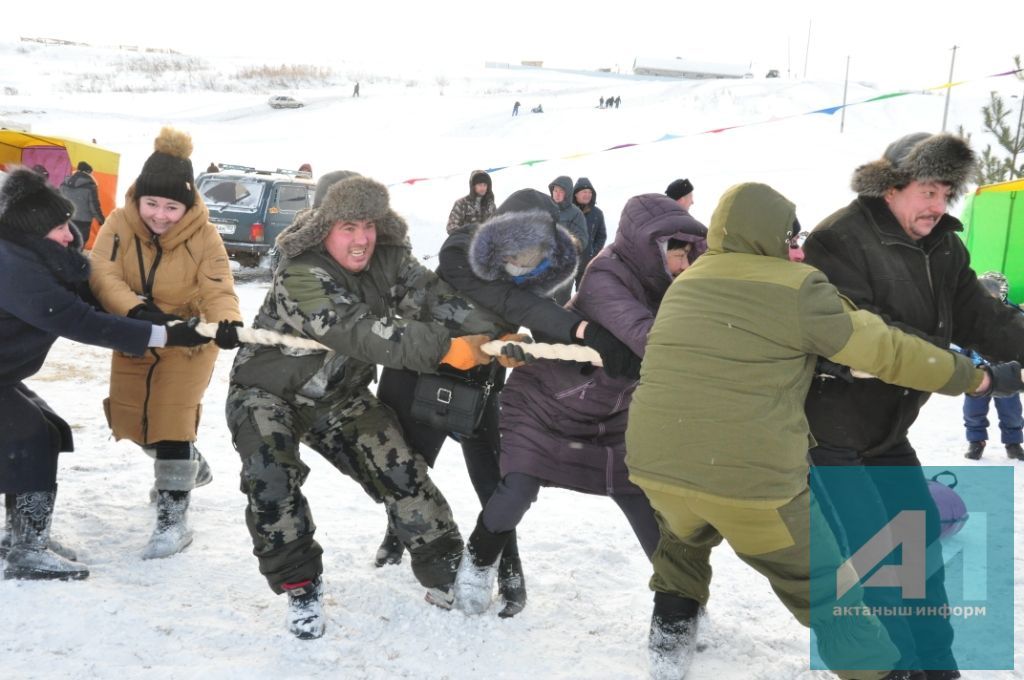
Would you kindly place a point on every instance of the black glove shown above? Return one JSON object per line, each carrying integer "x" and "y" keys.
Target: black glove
{"x": 184, "y": 334}
{"x": 830, "y": 369}
{"x": 1005, "y": 380}
{"x": 516, "y": 352}
{"x": 150, "y": 312}
{"x": 227, "y": 334}
{"x": 618, "y": 359}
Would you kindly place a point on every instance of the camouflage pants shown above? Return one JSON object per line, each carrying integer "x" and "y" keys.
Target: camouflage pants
{"x": 361, "y": 438}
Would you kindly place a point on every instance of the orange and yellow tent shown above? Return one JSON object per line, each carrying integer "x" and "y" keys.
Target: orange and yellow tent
{"x": 60, "y": 155}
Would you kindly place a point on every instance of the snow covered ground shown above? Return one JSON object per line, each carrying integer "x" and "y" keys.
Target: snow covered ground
{"x": 207, "y": 613}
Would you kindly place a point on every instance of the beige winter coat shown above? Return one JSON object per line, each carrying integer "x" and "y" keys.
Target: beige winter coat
{"x": 157, "y": 397}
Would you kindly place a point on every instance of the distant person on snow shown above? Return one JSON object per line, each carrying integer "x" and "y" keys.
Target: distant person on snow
{"x": 515, "y": 109}
{"x": 600, "y": 103}
{"x": 212, "y": 167}
{"x": 1011, "y": 424}
{"x": 80, "y": 188}
{"x": 355, "y": 90}
{"x": 474, "y": 207}
{"x": 569, "y": 217}
{"x": 584, "y": 196}
{"x": 42, "y": 276}
{"x": 618, "y": 100}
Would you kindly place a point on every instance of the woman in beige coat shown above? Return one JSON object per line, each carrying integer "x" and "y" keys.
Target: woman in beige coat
{"x": 159, "y": 259}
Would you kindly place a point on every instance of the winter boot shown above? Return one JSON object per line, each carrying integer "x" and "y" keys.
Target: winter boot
{"x": 5, "y": 542}
{"x": 511, "y": 585}
{"x": 474, "y": 581}
{"x": 673, "y": 639}
{"x": 204, "y": 475}
{"x": 306, "y": 608}
{"x": 390, "y": 550}
{"x": 29, "y": 556}
{"x": 172, "y": 533}
{"x": 1014, "y": 451}
{"x": 974, "y": 450}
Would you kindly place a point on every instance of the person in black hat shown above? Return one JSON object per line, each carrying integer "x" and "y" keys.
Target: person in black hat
{"x": 895, "y": 251}
{"x": 41, "y": 270}
{"x": 681, "y": 191}
{"x": 159, "y": 258}
{"x": 83, "y": 192}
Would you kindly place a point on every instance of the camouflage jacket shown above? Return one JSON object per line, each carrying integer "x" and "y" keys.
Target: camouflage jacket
{"x": 395, "y": 313}
{"x": 470, "y": 210}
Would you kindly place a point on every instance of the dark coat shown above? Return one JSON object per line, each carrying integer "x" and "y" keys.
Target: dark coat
{"x": 38, "y": 303}
{"x": 926, "y": 288}
{"x": 80, "y": 188}
{"x": 597, "y": 233}
{"x": 564, "y": 422}
{"x": 569, "y": 216}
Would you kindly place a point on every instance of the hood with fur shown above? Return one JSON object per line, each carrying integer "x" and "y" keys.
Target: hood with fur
{"x": 352, "y": 198}
{"x": 527, "y": 219}
{"x": 918, "y": 156}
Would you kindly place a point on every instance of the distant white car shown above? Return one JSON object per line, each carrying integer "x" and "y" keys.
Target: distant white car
{"x": 281, "y": 101}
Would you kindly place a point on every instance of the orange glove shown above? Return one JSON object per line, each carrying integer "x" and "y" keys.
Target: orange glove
{"x": 464, "y": 353}
{"x": 510, "y": 359}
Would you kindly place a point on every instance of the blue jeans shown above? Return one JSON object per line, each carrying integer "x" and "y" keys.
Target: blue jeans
{"x": 1010, "y": 421}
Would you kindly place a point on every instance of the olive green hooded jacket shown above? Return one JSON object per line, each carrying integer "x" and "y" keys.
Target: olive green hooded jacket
{"x": 720, "y": 406}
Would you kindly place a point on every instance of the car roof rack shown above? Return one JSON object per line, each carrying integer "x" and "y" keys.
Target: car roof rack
{"x": 279, "y": 171}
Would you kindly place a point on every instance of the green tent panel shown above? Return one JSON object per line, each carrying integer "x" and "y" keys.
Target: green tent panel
{"x": 993, "y": 220}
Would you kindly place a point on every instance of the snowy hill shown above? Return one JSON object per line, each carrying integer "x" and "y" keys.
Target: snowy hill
{"x": 207, "y": 613}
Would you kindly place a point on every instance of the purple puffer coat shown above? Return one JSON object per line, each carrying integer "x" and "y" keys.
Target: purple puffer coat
{"x": 565, "y": 422}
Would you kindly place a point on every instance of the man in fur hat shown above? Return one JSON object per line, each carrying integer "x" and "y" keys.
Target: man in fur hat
{"x": 348, "y": 280}
{"x": 894, "y": 251}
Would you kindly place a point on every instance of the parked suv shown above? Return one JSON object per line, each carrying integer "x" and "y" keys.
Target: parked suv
{"x": 251, "y": 207}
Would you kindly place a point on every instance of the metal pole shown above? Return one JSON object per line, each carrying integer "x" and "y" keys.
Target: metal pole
{"x": 949, "y": 88}
{"x": 807, "y": 50}
{"x": 846, "y": 85}
{"x": 1016, "y": 141}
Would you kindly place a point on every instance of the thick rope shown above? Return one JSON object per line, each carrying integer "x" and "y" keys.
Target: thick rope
{"x": 544, "y": 350}
{"x": 260, "y": 336}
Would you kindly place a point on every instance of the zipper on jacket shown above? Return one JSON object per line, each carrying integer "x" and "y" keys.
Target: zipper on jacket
{"x": 145, "y": 401}
{"x": 581, "y": 389}
{"x": 117, "y": 242}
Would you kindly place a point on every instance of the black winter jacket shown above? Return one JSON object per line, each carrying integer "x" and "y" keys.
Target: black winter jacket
{"x": 926, "y": 288}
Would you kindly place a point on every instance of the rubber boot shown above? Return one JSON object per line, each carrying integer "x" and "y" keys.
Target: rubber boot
{"x": 29, "y": 556}
{"x": 474, "y": 581}
{"x": 673, "y": 638}
{"x": 172, "y": 533}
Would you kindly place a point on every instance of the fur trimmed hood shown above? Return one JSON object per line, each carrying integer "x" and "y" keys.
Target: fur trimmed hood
{"x": 68, "y": 264}
{"x": 352, "y": 198}
{"x": 527, "y": 219}
{"x": 918, "y": 156}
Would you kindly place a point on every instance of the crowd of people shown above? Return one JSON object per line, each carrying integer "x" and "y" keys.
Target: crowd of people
{"x": 719, "y": 379}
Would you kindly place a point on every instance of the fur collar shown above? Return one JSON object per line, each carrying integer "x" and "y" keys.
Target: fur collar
{"x": 68, "y": 265}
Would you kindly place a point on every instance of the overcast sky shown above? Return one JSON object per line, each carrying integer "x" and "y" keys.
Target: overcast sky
{"x": 886, "y": 39}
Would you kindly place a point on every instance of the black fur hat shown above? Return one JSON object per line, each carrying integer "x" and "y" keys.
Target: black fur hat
{"x": 29, "y": 204}
{"x": 921, "y": 157}
{"x": 167, "y": 173}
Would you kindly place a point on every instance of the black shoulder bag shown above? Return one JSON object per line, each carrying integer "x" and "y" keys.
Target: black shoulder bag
{"x": 452, "y": 402}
